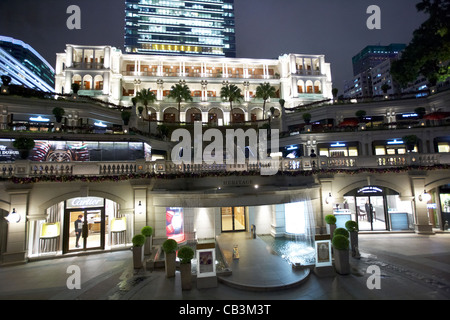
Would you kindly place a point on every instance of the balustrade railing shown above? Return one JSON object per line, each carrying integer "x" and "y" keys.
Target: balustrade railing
{"x": 164, "y": 167}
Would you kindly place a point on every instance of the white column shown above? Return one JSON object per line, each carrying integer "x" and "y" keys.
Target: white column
{"x": 69, "y": 57}
{"x": 106, "y": 83}
{"x": 423, "y": 225}
{"x": 16, "y": 238}
{"x": 140, "y": 208}
{"x": 293, "y": 64}
{"x": 107, "y": 58}
{"x": 68, "y": 84}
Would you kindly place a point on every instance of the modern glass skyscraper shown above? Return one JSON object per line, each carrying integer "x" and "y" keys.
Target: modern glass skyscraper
{"x": 180, "y": 27}
{"x": 25, "y": 65}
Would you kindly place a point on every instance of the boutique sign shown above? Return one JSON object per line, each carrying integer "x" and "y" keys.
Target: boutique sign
{"x": 87, "y": 202}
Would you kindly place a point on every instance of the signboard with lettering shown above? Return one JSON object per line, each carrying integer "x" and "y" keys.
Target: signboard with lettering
{"x": 87, "y": 202}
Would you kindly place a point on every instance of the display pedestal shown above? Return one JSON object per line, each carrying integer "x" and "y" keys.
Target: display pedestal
{"x": 207, "y": 282}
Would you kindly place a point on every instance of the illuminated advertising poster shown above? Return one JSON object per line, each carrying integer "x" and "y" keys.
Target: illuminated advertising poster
{"x": 175, "y": 224}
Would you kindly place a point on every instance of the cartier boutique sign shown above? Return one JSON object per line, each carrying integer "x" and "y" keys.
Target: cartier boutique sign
{"x": 88, "y": 202}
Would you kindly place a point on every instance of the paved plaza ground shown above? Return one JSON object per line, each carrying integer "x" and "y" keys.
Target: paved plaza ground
{"x": 413, "y": 267}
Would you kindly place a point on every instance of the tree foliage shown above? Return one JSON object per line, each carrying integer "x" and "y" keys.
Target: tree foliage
{"x": 428, "y": 53}
{"x": 180, "y": 92}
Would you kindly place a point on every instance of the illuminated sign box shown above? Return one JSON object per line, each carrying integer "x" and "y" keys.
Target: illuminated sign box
{"x": 175, "y": 224}
{"x": 87, "y": 202}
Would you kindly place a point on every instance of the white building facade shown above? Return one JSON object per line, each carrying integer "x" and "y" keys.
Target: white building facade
{"x": 108, "y": 74}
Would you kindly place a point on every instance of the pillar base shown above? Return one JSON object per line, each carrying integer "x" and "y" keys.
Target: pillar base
{"x": 424, "y": 229}
{"x": 14, "y": 258}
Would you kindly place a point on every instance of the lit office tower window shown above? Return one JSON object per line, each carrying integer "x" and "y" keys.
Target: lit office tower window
{"x": 180, "y": 27}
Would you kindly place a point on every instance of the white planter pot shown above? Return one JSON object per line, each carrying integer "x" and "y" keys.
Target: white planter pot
{"x": 138, "y": 257}
{"x": 342, "y": 261}
{"x": 186, "y": 276}
{"x": 170, "y": 264}
{"x": 148, "y": 245}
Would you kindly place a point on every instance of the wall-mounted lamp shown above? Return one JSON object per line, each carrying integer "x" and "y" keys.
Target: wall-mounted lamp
{"x": 14, "y": 217}
{"x": 425, "y": 196}
{"x": 329, "y": 199}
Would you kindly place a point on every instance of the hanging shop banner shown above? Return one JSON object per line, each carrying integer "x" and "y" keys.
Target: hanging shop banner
{"x": 175, "y": 224}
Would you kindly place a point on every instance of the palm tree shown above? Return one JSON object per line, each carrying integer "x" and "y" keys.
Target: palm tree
{"x": 180, "y": 92}
{"x": 265, "y": 91}
{"x": 231, "y": 93}
{"x": 146, "y": 96}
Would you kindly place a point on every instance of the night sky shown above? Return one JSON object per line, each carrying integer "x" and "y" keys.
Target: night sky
{"x": 264, "y": 28}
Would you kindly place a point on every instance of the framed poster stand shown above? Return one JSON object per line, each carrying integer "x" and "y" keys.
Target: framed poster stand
{"x": 324, "y": 261}
{"x": 206, "y": 266}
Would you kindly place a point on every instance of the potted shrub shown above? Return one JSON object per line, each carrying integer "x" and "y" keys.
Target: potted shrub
{"x": 341, "y": 231}
{"x": 170, "y": 247}
{"x": 341, "y": 254}
{"x": 185, "y": 254}
{"x": 352, "y": 228}
{"x": 138, "y": 250}
{"x": 331, "y": 224}
{"x": 147, "y": 232}
{"x": 24, "y": 145}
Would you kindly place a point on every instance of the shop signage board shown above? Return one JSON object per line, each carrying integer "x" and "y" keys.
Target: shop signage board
{"x": 86, "y": 202}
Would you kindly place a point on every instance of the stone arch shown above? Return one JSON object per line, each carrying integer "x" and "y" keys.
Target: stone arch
{"x": 215, "y": 116}
{"x": 98, "y": 82}
{"x": 87, "y": 82}
{"x": 317, "y": 86}
{"x": 437, "y": 183}
{"x": 309, "y": 86}
{"x": 379, "y": 183}
{"x": 77, "y": 79}
{"x": 301, "y": 86}
{"x": 92, "y": 193}
{"x": 237, "y": 115}
{"x": 256, "y": 113}
{"x": 193, "y": 114}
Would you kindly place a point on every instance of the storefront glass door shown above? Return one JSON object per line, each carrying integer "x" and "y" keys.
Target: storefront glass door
{"x": 233, "y": 219}
{"x": 84, "y": 229}
{"x": 371, "y": 213}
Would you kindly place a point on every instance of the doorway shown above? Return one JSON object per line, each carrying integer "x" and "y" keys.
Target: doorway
{"x": 84, "y": 230}
{"x": 233, "y": 219}
{"x": 371, "y": 213}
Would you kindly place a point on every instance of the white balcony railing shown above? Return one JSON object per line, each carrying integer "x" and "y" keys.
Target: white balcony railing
{"x": 163, "y": 167}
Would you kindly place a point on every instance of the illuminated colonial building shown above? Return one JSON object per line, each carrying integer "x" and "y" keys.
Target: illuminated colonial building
{"x": 180, "y": 27}
{"x": 108, "y": 74}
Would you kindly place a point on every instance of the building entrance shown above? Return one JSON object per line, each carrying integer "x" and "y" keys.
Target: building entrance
{"x": 371, "y": 213}
{"x": 84, "y": 230}
{"x": 233, "y": 219}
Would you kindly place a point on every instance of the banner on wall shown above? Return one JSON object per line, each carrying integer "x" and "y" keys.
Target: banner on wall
{"x": 66, "y": 151}
{"x": 175, "y": 224}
